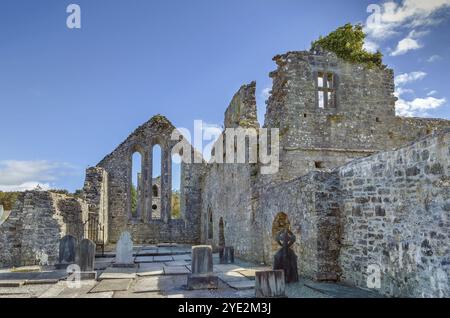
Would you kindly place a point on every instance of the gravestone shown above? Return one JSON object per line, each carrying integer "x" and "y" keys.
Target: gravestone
{"x": 86, "y": 259}
{"x": 226, "y": 255}
{"x": 124, "y": 251}
{"x": 285, "y": 258}
{"x": 67, "y": 251}
{"x": 202, "y": 276}
{"x": 270, "y": 284}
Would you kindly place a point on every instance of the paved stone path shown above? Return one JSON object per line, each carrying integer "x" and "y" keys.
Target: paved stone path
{"x": 161, "y": 272}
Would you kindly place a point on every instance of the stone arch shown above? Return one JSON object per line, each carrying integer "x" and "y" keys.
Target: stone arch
{"x": 221, "y": 233}
{"x": 155, "y": 190}
{"x": 280, "y": 222}
{"x": 157, "y": 171}
{"x": 135, "y": 184}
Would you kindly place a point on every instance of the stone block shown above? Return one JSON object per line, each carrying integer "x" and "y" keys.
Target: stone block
{"x": 270, "y": 284}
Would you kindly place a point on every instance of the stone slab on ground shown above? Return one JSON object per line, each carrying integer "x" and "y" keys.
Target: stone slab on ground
{"x": 54, "y": 290}
{"x": 165, "y": 258}
{"x": 98, "y": 295}
{"x": 26, "y": 269}
{"x": 250, "y": 272}
{"x": 12, "y": 283}
{"x": 111, "y": 285}
{"x": 18, "y": 276}
{"x": 50, "y": 277}
{"x": 147, "y": 284}
{"x": 176, "y": 270}
{"x": 177, "y": 263}
{"x": 231, "y": 276}
{"x": 182, "y": 257}
{"x": 150, "y": 269}
{"x": 84, "y": 288}
{"x": 118, "y": 273}
{"x": 242, "y": 284}
{"x": 143, "y": 259}
{"x": 172, "y": 283}
{"x": 222, "y": 268}
{"x": 122, "y": 294}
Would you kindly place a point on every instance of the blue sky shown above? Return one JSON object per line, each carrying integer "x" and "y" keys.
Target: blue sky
{"x": 68, "y": 97}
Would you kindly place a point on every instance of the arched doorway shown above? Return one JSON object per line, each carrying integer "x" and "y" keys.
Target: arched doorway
{"x": 280, "y": 223}
{"x": 221, "y": 233}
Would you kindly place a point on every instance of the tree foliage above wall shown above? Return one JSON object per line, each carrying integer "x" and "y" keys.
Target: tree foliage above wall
{"x": 347, "y": 42}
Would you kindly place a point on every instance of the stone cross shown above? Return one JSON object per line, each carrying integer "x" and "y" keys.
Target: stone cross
{"x": 124, "y": 251}
{"x": 285, "y": 258}
{"x": 67, "y": 251}
{"x": 202, "y": 276}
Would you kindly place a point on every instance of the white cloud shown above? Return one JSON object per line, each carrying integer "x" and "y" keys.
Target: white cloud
{"x": 409, "y": 43}
{"x": 408, "y": 13}
{"x": 392, "y": 18}
{"x": 431, "y": 93}
{"x": 418, "y": 106}
{"x": 434, "y": 58}
{"x": 405, "y": 78}
{"x": 371, "y": 46}
{"x": 16, "y": 175}
{"x": 265, "y": 93}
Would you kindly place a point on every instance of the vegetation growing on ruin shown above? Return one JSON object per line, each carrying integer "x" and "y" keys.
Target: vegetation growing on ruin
{"x": 7, "y": 199}
{"x": 176, "y": 204}
{"x": 347, "y": 42}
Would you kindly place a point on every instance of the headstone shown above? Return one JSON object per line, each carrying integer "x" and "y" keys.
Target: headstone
{"x": 124, "y": 251}
{"x": 2, "y": 211}
{"x": 270, "y": 284}
{"x": 86, "y": 259}
{"x": 226, "y": 255}
{"x": 202, "y": 276}
{"x": 285, "y": 259}
{"x": 67, "y": 251}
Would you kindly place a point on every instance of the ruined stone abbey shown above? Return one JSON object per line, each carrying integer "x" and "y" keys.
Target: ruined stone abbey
{"x": 363, "y": 190}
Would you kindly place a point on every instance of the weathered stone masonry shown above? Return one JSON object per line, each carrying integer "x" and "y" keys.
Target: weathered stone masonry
{"x": 39, "y": 219}
{"x": 362, "y": 189}
{"x": 396, "y": 216}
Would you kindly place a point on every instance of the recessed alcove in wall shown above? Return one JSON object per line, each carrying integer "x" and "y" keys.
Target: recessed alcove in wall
{"x": 280, "y": 223}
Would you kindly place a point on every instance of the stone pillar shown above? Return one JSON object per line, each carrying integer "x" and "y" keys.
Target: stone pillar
{"x": 270, "y": 284}
{"x": 165, "y": 184}
{"x": 202, "y": 276}
{"x": 226, "y": 255}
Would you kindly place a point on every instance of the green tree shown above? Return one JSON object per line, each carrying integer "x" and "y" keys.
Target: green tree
{"x": 133, "y": 199}
{"x": 348, "y": 43}
{"x": 176, "y": 205}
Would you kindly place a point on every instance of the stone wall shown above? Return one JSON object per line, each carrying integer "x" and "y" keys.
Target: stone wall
{"x": 361, "y": 122}
{"x": 395, "y": 217}
{"x": 311, "y": 204}
{"x": 145, "y": 227}
{"x": 95, "y": 192}
{"x": 38, "y": 220}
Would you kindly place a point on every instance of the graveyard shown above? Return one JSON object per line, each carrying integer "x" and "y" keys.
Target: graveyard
{"x": 321, "y": 181}
{"x": 151, "y": 271}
